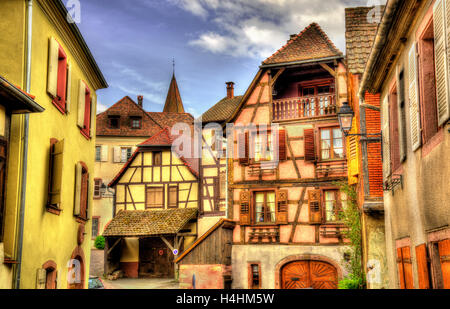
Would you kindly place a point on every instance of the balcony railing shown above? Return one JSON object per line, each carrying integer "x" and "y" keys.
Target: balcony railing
{"x": 304, "y": 107}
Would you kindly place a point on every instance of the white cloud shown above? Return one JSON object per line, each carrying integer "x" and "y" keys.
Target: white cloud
{"x": 101, "y": 107}
{"x": 258, "y": 28}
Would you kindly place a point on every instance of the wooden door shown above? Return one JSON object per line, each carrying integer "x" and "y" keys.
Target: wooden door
{"x": 309, "y": 275}
{"x": 155, "y": 259}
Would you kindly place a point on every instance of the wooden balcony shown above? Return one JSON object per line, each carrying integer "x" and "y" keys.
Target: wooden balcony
{"x": 304, "y": 107}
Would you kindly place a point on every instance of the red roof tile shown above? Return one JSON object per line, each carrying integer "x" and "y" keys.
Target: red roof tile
{"x": 311, "y": 43}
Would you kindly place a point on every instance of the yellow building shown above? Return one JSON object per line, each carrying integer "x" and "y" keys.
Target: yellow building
{"x": 156, "y": 209}
{"x": 49, "y": 185}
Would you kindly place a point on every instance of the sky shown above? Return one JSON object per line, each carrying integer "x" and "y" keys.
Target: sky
{"x": 212, "y": 41}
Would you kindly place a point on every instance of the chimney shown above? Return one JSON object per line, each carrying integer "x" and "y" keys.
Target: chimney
{"x": 140, "y": 100}
{"x": 230, "y": 90}
{"x": 292, "y": 37}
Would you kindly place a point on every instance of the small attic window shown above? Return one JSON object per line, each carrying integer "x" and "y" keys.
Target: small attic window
{"x": 114, "y": 122}
{"x": 136, "y": 122}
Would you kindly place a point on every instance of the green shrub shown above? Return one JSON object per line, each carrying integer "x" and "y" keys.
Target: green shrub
{"x": 100, "y": 242}
{"x": 351, "y": 283}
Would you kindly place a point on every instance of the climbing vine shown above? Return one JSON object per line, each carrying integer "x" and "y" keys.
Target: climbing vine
{"x": 351, "y": 217}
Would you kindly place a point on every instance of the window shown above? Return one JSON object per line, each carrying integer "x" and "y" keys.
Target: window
{"x": 331, "y": 206}
{"x": 84, "y": 109}
{"x": 98, "y": 153}
{"x": 263, "y": 151}
{"x": 157, "y": 158}
{"x": 55, "y": 175}
{"x": 255, "y": 276}
{"x": 97, "y": 188}
{"x": 394, "y": 129}
{"x": 47, "y": 276}
{"x": 125, "y": 154}
{"x": 114, "y": 122}
{"x": 81, "y": 191}
{"x": 135, "y": 122}
{"x": 402, "y": 116}
{"x": 265, "y": 207}
{"x": 58, "y": 75}
{"x": 95, "y": 226}
{"x": 331, "y": 144}
{"x": 404, "y": 266}
{"x": 173, "y": 197}
{"x": 155, "y": 197}
{"x": 427, "y": 84}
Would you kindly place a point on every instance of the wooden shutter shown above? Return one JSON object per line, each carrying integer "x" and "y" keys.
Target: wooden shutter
{"x": 81, "y": 103}
{"x": 414, "y": 111}
{"x": 315, "y": 211}
{"x": 41, "y": 278}
{"x": 405, "y": 268}
{"x": 56, "y": 171}
{"x": 385, "y": 140}
{"x": 78, "y": 178}
{"x": 104, "y": 153}
{"x": 93, "y": 110}
{"x": 52, "y": 74}
{"x": 84, "y": 194}
{"x": 422, "y": 267}
{"x": 282, "y": 153}
{"x": 444, "y": 254}
{"x": 69, "y": 87}
{"x": 62, "y": 79}
{"x": 282, "y": 207}
{"x": 310, "y": 147}
{"x": 243, "y": 148}
{"x": 117, "y": 154}
{"x": 244, "y": 207}
{"x": 441, "y": 44}
{"x": 352, "y": 152}
{"x": 401, "y": 114}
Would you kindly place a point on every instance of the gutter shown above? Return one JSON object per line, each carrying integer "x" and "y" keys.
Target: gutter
{"x": 25, "y": 144}
{"x": 380, "y": 40}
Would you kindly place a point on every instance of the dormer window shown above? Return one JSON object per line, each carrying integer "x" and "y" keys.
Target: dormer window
{"x": 136, "y": 122}
{"x": 114, "y": 122}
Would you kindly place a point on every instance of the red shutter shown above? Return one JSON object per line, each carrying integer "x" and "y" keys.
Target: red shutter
{"x": 243, "y": 149}
{"x": 422, "y": 266}
{"x": 87, "y": 111}
{"x": 315, "y": 211}
{"x": 282, "y": 153}
{"x": 405, "y": 268}
{"x": 401, "y": 274}
{"x": 310, "y": 147}
{"x": 60, "y": 98}
{"x": 84, "y": 194}
{"x": 244, "y": 208}
{"x": 444, "y": 254}
{"x": 282, "y": 207}
{"x": 394, "y": 136}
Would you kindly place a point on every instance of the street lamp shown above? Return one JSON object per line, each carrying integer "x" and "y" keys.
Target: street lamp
{"x": 345, "y": 117}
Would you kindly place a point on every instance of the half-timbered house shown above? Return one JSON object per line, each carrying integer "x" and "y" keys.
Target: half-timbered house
{"x": 288, "y": 233}
{"x": 156, "y": 209}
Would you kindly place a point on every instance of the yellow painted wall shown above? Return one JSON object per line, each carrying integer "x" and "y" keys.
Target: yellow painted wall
{"x": 46, "y": 236}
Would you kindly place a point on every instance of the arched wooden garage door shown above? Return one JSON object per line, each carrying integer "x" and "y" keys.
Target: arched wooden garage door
{"x": 309, "y": 274}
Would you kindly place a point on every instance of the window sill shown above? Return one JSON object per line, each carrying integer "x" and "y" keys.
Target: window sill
{"x": 9, "y": 261}
{"x": 53, "y": 210}
{"x": 81, "y": 220}
{"x": 86, "y": 135}
{"x": 59, "y": 107}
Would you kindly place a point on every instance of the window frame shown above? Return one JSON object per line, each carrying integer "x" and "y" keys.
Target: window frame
{"x": 154, "y": 155}
{"x": 177, "y": 196}
{"x": 162, "y": 189}
{"x": 331, "y": 129}
{"x": 337, "y": 207}
{"x": 265, "y": 207}
{"x": 95, "y": 219}
{"x": 61, "y": 85}
{"x": 251, "y": 275}
{"x": 99, "y": 195}
{"x": 129, "y": 154}
{"x": 84, "y": 193}
{"x": 86, "y": 130}
{"x": 133, "y": 119}
{"x": 98, "y": 155}
{"x": 110, "y": 126}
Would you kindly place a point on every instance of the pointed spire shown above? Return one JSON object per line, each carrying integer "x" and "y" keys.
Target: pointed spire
{"x": 174, "y": 104}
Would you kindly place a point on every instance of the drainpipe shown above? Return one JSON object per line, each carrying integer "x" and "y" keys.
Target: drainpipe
{"x": 25, "y": 143}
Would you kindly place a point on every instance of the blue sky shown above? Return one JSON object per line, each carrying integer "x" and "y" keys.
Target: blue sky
{"x": 212, "y": 41}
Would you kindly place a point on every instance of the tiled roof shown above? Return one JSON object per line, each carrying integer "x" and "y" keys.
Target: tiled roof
{"x": 141, "y": 223}
{"x": 312, "y": 43}
{"x": 359, "y": 35}
{"x": 162, "y": 138}
{"x": 173, "y": 104}
{"x": 152, "y": 122}
{"x": 222, "y": 110}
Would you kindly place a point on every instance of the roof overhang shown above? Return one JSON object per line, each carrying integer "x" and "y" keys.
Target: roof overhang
{"x": 398, "y": 19}
{"x": 296, "y": 63}
{"x": 16, "y": 100}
